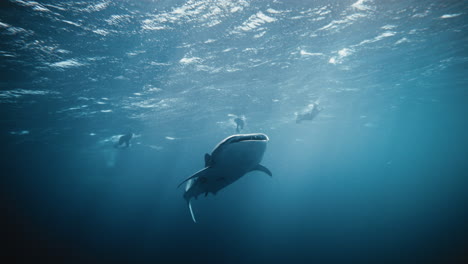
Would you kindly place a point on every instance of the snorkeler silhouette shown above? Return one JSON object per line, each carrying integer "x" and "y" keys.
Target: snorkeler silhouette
{"x": 240, "y": 124}
{"x": 309, "y": 113}
{"x": 125, "y": 139}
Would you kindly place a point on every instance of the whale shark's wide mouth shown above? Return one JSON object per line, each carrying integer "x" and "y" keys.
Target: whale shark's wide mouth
{"x": 259, "y": 137}
{"x": 248, "y": 137}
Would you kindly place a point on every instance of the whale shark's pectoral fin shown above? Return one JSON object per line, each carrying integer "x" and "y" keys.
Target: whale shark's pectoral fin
{"x": 196, "y": 175}
{"x": 208, "y": 160}
{"x": 264, "y": 169}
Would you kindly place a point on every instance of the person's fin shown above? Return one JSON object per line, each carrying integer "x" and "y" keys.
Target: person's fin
{"x": 264, "y": 169}
{"x": 191, "y": 212}
{"x": 206, "y": 194}
{"x": 207, "y": 160}
{"x": 197, "y": 174}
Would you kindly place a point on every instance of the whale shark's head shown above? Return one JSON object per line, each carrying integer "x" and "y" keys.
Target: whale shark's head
{"x": 240, "y": 149}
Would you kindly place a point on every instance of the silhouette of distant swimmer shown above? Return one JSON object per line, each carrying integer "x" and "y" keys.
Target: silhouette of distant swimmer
{"x": 240, "y": 124}
{"x": 312, "y": 111}
{"x": 125, "y": 139}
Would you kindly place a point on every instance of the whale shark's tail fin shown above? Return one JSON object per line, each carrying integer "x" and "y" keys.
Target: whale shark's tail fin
{"x": 191, "y": 212}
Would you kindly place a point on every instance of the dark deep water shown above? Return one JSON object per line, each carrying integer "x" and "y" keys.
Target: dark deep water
{"x": 379, "y": 176}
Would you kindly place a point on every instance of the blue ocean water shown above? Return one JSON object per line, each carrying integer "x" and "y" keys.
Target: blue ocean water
{"x": 378, "y": 176}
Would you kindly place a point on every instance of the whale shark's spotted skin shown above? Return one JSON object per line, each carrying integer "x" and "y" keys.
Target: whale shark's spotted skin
{"x": 231, "y": 159}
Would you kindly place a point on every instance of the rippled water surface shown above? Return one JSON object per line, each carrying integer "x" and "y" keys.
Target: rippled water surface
{"x": 378, "y": 176}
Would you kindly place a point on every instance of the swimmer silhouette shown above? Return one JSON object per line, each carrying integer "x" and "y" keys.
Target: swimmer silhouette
{"x": 310, "y": 113}
{"x": 125, "y": 139}
{"x": 240, "y": 124}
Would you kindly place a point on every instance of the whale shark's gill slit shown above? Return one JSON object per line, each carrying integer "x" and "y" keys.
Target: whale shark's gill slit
{"x": 191, "y": 212}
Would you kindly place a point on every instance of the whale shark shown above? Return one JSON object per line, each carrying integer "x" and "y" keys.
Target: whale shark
{"x": 232, "y": 158}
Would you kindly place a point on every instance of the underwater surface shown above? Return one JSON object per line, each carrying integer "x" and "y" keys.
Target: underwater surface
{"x": 378, "y": 175}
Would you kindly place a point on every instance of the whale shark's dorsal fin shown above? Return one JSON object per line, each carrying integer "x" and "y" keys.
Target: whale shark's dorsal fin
{"x": 197, "y": 174}
{"x": 264, "y": 169}
{"x": 208, "y": 161}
